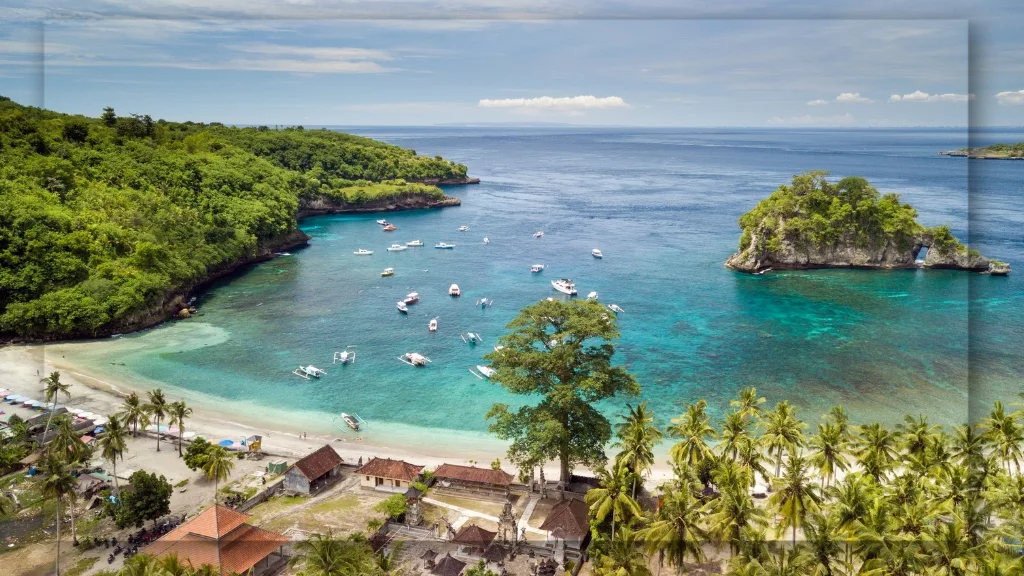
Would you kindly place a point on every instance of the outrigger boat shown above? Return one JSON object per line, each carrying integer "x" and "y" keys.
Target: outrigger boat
{"x": 471, "y": 338}
{"x": 363, "y": 252}
{"x": 484, "y": 302}
{"x": 352, "y": 422}
{"x": 433, "y": 325}
{"x": 390, "y": 228}
{"x": 454, "y": 290}
{"x": 565, "y": 286}
{"x": 615, "y": 308}
{"x": 444, "y": 246}
{"x": 414, "y": 243}
{"x": 402, "y": 307}
{"x": 536, "y": 268}
{"x": 487, "y": 371}
{"x": 308, "y": 372}
{"x": 463, "y": 228}
{"x": 397, "y": 248}
{"x": 388, "y": 272}
{"x": 414, "y": 359}
{"x": 412, "y": 298}
{"x": 345, "y": 357}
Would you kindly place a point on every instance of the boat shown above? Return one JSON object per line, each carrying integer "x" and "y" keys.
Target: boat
{"x": 363, "y": 252}
{"x": 471, "y": 338}
{"x": 592, "y": 296}
{"x": 390, "y": 228}
{"x": 538, "y": 234}
{"x": 596, "y": 253}
{"x": 414, "y": 243}
{"x": 454, "y": 290}
{"x": 412, "y": 298}
{"x": 565, "y": 286}
{"x": 487, "y": 371}
{"x": 484, "y": 302}
{"x": 402, "y": 307}
{"x": 308, "y": 372}
{"x": 433, "y": 325}
{"x": 397, "y": 248}
{"x": 388, "y": 272}
{"x": 414, "y": 359}
{"x": 382, "y": 222}
{"x": 536, "y": 268}
{"x": 616, "y": 308}
{"x": 762, "y": 271}
{"x": 282, "y": 253}
{"x": 463, "y": 228}
{"x": 345, "y": 357}
{"x": 444, "y": 246}
{"x": 486, "y": 240}
{"x": 352, "y": 422}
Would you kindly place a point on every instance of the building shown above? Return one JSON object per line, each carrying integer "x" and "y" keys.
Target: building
{"x": 473, "y": 540}
{"x": 388, "y": 475}
{"x": 221, "y": 538}
{"x": 472, "y": 479}
{"x": 568, "y": 527}
{"x": 448, "y": 566}
{"x": 314, "y": 472}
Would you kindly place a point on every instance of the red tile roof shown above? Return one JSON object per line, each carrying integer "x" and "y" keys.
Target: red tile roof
{"x": 473, "y": 474}
{"x": 318, "y": 463}
{"x": 569, "y": 519}
{"x": 388, "y": 468}
{"x": 218, "y": 528}
{"x": 474, "y": 535}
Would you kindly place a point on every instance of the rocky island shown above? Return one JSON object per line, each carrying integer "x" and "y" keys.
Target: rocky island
{"x": 993, "y": 152}
{"x": 813, "y": 223}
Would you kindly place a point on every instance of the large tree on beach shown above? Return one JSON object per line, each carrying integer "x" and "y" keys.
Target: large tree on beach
{"x": 637, "y": 434}
{"x": 58, "y": 483}
{"x": 562, "y": 353}
{"x": 157, "y": 407}
{"x": 178, "y": 413}
{"x": 217, "y": 466}
{"x": 52, "y": 388}
{"x": 133, "y": 413}
{"x": 113, "y": 444}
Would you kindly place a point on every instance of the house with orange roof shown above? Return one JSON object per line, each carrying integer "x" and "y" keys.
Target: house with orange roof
{"x": 221, "y": 538}
{"x": 388, "y": 475}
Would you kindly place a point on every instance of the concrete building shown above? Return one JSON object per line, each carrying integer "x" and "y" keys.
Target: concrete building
{"x": 314, "y": 472}
{"x": 388, "y": 475}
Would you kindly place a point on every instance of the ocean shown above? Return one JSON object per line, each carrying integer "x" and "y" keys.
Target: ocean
{"x": 662, "y": 205}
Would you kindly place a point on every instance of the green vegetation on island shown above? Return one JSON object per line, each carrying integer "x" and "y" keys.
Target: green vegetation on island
{"x": 814, "y": 223}
{"x": 993, "y": 152}
{"x": 104, "y": 220}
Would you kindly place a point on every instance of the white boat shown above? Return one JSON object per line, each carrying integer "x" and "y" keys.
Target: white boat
{"x": 397, "y": 248}
{"x": 388, "y": 272}
{"x": 486, "y": 240}
{"x": 484, "y": 302}
{"x": 352, "y": 421}
{"x": 762, "y": 271}
{"x": 345, "y": 357}
{"x": 454, "y": 290}
{"x": 433, "y": 325}
{"x": 402, "y": 307}
{"x": 596, "y": 253}
{"x": 463, "y": 228}
{"x": 592, "y": 296}
{"x": 412, "y": 298}
{"x": 444, "y": 246}
{"x": 565, "y": 286}
{"x": 537, "y": 268}
{"x": 363, "y": 252}
{"x": 538, "y": 234}
{"x": 471, "y": 338}
{"x": 382, "y": 222}
{"x": 487, "y": 371}
{"x": 308, "y": 372}
{"x": 615, "y": 308}
{"x": 414, "y": 243}
{"x": 414, "y": 359}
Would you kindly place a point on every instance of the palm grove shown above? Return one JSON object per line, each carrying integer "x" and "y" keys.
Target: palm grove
{"x": 842, "y": 498}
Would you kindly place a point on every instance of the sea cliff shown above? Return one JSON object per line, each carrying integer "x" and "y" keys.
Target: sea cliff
{"x": 815, "y": 224}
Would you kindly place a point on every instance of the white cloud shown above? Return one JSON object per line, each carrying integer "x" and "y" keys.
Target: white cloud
{"x": 568, "y": 104}
{"x": 808, "y": 120}
{"x": 919, "y": 96}
{"x": 1011, "y": 98}
{"x": 852, "y": 98}
{"x": 818, "y": 102}
{"x": 315, "y": 52}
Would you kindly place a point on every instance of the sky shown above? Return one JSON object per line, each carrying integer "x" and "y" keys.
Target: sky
{"x": 753, "y": 63}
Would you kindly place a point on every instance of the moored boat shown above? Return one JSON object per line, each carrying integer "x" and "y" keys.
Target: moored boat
{"x": 388, "y": 272}
{"x": 345, "y": 357}
{"x": 390, "y": 228}
{"x": 444, "y": 246}
{"x": 351, "y": 421}
{"x": 414, "y": 359}
{"x": 592, "y": 296}
{"x": 486, "y": 240}
{"x": 615, "y": 308}
{"x": 487, "y": 371}
{"x": 412, "y": 298}
{"x": 414, "y": 243}
{"x": 402, "y": 307}
{"x": 363, "y": 252}
{"x": 538, "y": 234}
{"x": 397, "y": 248}
{"x": 454, "y": 290}
{"x": 382, "y": 222}
{"x": 433, "y": 325}
{"x": 471, "y": 338}
{"x": 596, "y": 253}
{"x": 565, "y": 286}
{"x": 463, "y": 228}
{"x": 536, "y": 268}
{"x": 308, "y": 372}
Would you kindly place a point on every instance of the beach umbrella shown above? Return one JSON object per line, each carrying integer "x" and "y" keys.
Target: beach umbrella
{"x": 226, "y": 443}
{"x": 188, "y": 435}
{"x": 98, "y": 430}
{"x": 99, "y": 421}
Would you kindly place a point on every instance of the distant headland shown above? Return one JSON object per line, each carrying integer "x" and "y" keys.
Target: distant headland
{"x": 813, "y": 223}
{"x": 993, "y": 152}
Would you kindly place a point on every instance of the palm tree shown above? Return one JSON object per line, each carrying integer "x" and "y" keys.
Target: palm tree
{"x": 950, "y": 551}
{"x": 157, "y": 406}
{"x": 735, "y": 431}
{"x": 113, "y": 444}
{"x": 58, "y": 483}
{"x": 637, "y": 436}
{"x": 387, "y": 564}
{"x": 695, "y": 429}
{"x": 796, "y": 497}
{"x": 52, "y": 388}
{"x": 917, "y": 436}
{"x": 611, "y": 497}
{"x": 968, "y": 444}
{"x": 733, "y": 513}
{"x": 783, "y": 432}
{"x": 133, "y": 413}
{"x": 325, "y": 555}
{"x": 821, "y": 537}
{"x": 676, "y": 532}
{"x": 178, "y": 413}
{"x": 217, "y": 465}
{"x": 748, "y": 403}
{"x": 828, "y": 447}
{"x": 875, "y": 450}
{"x": 850, "y": 501}
{"x": 624, "y": 557}
{"x": 67, "y": 442}
{"x": 1005, "y": 436}
{"x": 786, "y": 563}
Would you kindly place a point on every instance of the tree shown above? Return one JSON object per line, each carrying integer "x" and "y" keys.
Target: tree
{"x": 113, "y": 444}
{"x": 325, "y": 555}
{"x": 612, "y": 497}
{"x": 748, "y": 404}
{"x": 157, "y": 406}
{"x": 828, "y": 452}
{"x": 734, "y": 512}
{"x": 561, "y": 351}
{"x": 109, "y": 117}
{"x": 393, "y": 506}
{"x": 623, "y": 558}
{"x": 67, "y": 442}
{"x": 637, "y": 436}
{"x": 875, "y": 450}
{"x": 783, "y": 432}
{"x": 57, "y": 484}
{"x": 148, "y": 499}
{"x": 196, "y": 453}
{"x": 480, "y": 569}
{"x": 133, "y": 413}
{"x": 694, "y": 429}
{"x": 677, "y": 532}
{"x": 796, "y": 495}
{"x": 217, "y": 466}
{"x": 821, "y": 537}
{"x": 178, "y": 412}
{"x": 53, "y": 387}
{"x": 1004, "y": 436}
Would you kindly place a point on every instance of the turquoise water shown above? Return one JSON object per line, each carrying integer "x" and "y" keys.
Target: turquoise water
{"x": 662, "y": 206}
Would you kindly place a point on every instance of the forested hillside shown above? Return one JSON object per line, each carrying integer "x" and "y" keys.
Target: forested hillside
{"x": 103, "y": 219}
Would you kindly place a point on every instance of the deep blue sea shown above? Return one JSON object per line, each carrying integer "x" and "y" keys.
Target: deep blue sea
{"x": 662, "y": 204}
